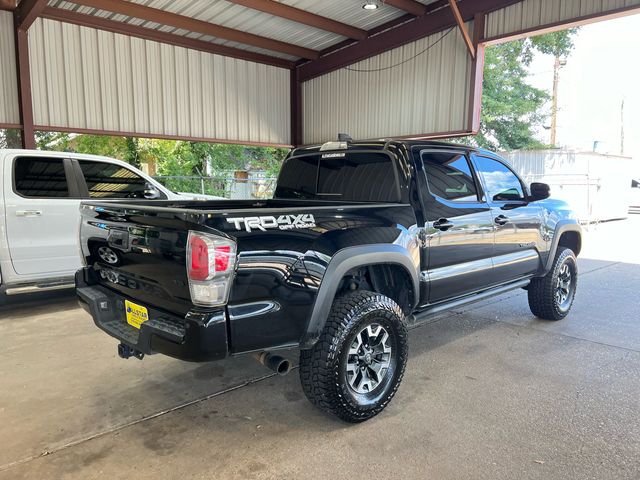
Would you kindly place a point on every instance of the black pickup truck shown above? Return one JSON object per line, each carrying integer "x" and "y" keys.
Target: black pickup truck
{"x": 361, "y": 241}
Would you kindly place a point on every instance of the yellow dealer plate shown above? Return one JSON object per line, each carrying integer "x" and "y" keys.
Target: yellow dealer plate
{"x": 136, "y": 314}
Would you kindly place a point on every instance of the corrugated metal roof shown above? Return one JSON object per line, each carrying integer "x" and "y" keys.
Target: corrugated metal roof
{"x": 90, "y": 79}
{"x": 228, "y": 14}
{"x": 428, "y": 93}
{"x": 530, "y": 14}
{"x": 8, "y": 83}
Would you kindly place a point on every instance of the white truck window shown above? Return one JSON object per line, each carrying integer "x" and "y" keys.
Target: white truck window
{"x": 106, "y": 180}
{"x": 40, "y": 177}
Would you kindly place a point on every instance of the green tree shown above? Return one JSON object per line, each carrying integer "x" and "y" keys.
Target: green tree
{"x": 512, "y": 109}
{"x": 10, "y": 138}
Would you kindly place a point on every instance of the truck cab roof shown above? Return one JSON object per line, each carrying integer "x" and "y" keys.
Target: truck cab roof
{"x": 4, "y": 152}
{"x": 385, "y": 144}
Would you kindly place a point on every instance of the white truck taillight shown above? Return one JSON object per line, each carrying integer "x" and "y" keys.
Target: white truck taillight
{"x": 210, "y": 263}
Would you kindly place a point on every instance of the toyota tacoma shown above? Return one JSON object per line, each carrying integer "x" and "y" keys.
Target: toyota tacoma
{"x": 361, "y": 241}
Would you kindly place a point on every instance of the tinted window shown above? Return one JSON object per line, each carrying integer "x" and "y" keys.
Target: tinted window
{"x": 500, "y": 182}
{"x": 40, "y": 177}
{"x": 449, "y": 176}
{"x": 106, "y": 180}
{"x": 348, "y": 176}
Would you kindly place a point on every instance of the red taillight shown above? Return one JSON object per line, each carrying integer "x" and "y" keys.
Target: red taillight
{"x": 199, "y": 261}
{"x": 209, "y": 256}
{"x": 222, "y": 253}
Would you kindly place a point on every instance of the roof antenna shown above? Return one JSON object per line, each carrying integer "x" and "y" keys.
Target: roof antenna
{"x": 344, "y": 137}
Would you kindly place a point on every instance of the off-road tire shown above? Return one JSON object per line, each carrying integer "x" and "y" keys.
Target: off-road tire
{"x": 542, "y": 291}
{"x": 323, "y": 367}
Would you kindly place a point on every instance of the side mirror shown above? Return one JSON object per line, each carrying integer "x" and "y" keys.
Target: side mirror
{"x": 539, "y": 191}
{"x": 151, "y": 192}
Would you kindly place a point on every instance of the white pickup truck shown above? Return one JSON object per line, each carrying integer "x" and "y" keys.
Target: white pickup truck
{"x": 40, "y": 196}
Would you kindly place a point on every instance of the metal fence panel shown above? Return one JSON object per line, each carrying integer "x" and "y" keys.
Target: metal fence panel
{"x": 421, "y": 87}
{"x": 89, "y": 79}
{"x": 8, "y": 83}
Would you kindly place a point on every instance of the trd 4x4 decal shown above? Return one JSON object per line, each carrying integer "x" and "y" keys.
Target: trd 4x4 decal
{"x": 283, "y": 222}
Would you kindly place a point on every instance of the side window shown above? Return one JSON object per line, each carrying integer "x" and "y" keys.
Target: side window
{"x": 106, "y": 180}
{"x": 500, "y": 182}
{"x": 449, "y": 176}
{"x": 40, "y": 177}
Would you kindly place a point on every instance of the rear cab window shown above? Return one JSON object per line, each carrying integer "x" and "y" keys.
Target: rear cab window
{"x": 40, "y": 177}
{"x": 356, "y": 176}
{"x": 108, "y": 180}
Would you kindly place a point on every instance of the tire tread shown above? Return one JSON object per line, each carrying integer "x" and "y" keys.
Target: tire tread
{"x": 317, "y": 374}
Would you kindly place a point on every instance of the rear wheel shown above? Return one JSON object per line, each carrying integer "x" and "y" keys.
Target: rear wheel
{"x": 356, "y": 367}
{"x": 551, "y": 296}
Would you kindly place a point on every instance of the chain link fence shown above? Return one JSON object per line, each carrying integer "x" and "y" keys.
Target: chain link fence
{"x": 254, "y": 186}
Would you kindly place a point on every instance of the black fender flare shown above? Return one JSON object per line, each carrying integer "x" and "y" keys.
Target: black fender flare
{"x": 563, "y": 226}
{"x": 345, "y": 260}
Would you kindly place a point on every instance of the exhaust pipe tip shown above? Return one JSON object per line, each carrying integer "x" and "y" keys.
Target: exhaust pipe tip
{"x": 276, "y": 363}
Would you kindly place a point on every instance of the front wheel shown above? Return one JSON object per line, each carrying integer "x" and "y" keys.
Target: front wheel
{"x": 551, "y": 296}
{"x": 355, "y": 368}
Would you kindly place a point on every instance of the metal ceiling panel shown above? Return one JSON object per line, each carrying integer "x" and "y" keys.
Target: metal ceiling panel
{"x": 530, "y": 14}
{"x": 427, "y": 91}
{"x": 228, "y": 14}
{"x": 9, "y": 113}
{"x": 88, "y": 79}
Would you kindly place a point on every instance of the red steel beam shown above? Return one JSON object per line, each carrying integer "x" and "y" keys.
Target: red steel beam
{"x": 116, "y": 133}
{"x": 193, "y": 25}
{"x": 409, "y": 6}
{"x": 8, "y": 4}
{"x": 301, "y": 16}
{"x": 477, "y": 74}
{"x": 296, "y": 109}
{"x": 396, "y": 37}
{"x": 462, "y": 27}
{"x": 25, "y": 102}
{"x": 100, "y": 23}
{"x": 381, "y": 28}
{"x": 27, "y": 11}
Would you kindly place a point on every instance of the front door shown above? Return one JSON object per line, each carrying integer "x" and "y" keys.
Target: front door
{"x": 42, "y": 216}
{"x": 459, "y": 226}
{"x": 518, "y": 223}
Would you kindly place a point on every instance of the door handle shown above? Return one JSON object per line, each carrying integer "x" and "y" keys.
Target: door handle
{"x": 501, "y": 220}
{"x": 442, "y": 224}
{"x": 28, "y": 213}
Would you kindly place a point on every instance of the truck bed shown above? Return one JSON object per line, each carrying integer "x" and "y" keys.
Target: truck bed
{"x": 283, "y": 248}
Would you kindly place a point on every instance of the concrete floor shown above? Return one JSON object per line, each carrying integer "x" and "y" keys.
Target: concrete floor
{"x": 490, "y": 392}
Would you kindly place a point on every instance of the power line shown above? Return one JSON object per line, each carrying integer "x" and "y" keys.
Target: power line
{"x": 364, "y": 70}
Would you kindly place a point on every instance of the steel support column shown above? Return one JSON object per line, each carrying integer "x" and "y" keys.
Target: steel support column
{"x": 477, "y": 74}
{"x": 25, "y": 103}
{"x": 296, "y": 108}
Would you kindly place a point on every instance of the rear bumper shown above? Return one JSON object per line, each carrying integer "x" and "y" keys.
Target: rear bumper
{"x": 197, "y": 337}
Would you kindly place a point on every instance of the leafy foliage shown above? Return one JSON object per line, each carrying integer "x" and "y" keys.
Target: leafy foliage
{"x": 171, "y": 157}
{"x": 10, "y": 138}
{"x": 512, "y": 109}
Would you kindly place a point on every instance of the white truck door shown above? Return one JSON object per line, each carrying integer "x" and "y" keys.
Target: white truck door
{"x": 42, "y": 216}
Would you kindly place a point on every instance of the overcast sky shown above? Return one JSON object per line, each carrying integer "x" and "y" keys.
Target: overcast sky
{"x": 603, "y": 69}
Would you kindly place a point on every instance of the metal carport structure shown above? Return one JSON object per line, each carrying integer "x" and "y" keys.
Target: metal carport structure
{"x": 262, "y": 72}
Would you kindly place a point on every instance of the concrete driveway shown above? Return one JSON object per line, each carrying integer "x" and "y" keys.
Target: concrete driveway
{"x": 490, "y": 392}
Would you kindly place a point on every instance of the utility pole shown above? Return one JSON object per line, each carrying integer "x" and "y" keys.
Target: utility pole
{"x": 554, "y": 101}
{"x": 622, "y": 127}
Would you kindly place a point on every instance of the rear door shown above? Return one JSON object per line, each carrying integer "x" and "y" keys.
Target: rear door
{"x": 42, "y": 216}
{"x": 459, "y": 228}
{"x": 518, "y": 223}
